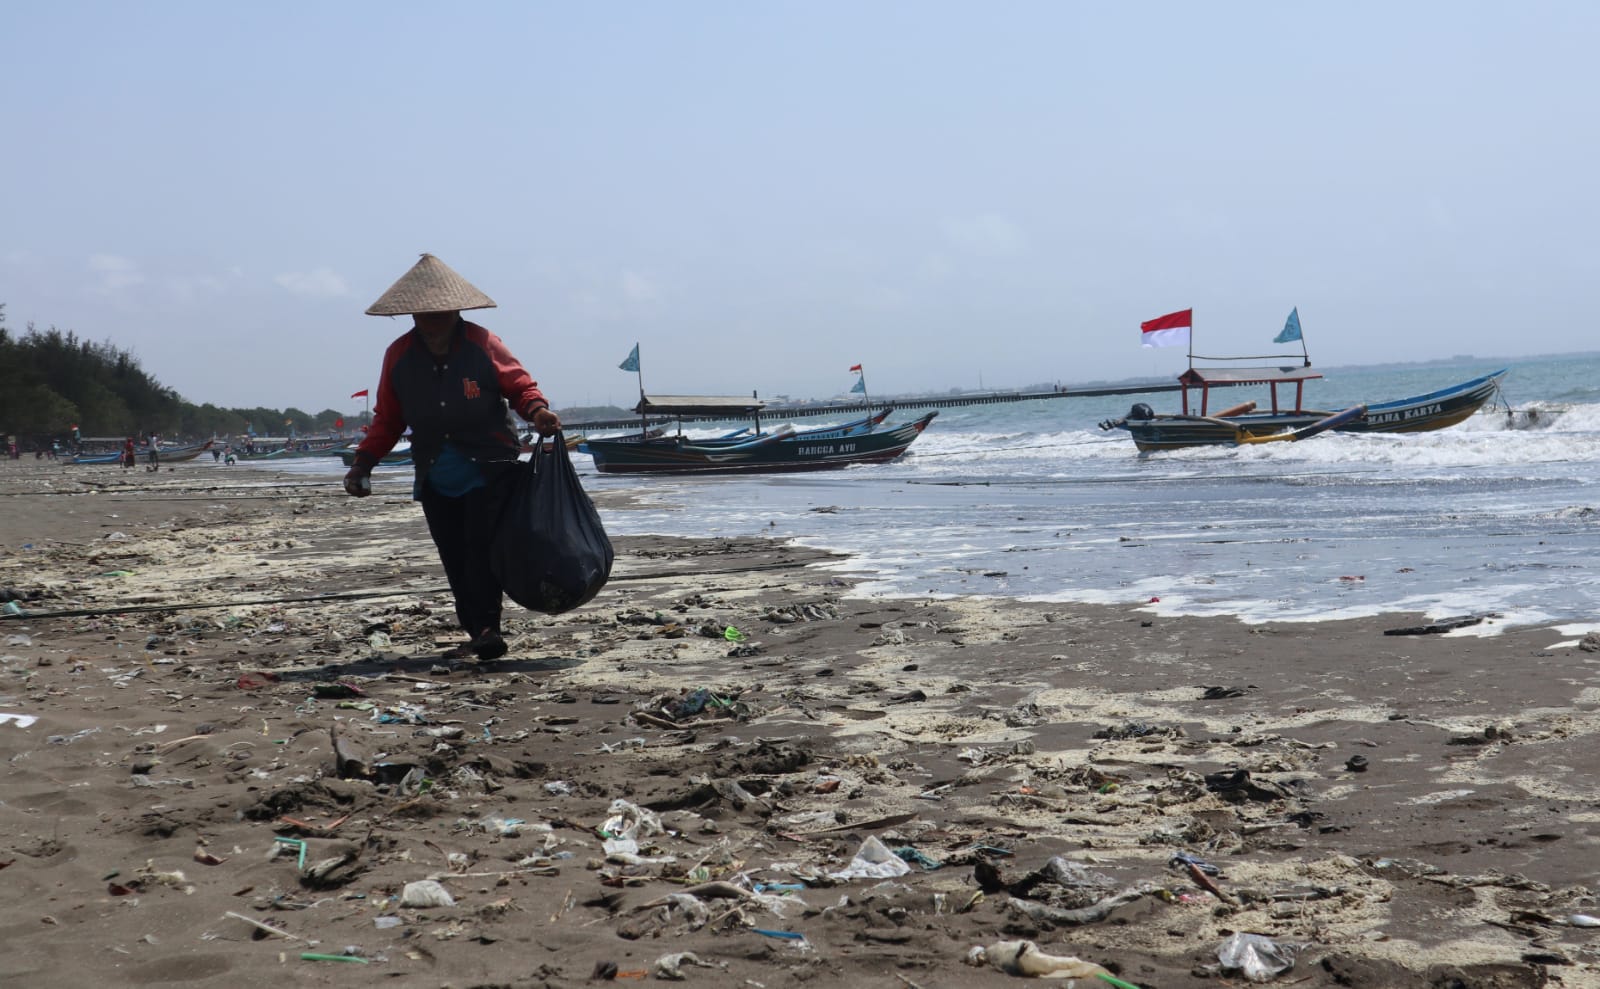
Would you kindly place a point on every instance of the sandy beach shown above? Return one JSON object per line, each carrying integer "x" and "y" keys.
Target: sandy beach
{"x": 234, "y": 757}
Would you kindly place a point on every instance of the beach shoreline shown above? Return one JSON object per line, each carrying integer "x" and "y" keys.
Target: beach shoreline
{"x": 179, "y": 734}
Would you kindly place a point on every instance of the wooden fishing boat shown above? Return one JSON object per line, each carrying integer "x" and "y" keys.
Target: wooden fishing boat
{"x": 1243, "y": 424}
{"x": 273, "y": 448}
{"x": 398, "y": 457}
{"x": 861, "y": 441}
{"x": 183, "y": 453}
{"x": 93, "y": 458}
{"x": 170, "y": 455}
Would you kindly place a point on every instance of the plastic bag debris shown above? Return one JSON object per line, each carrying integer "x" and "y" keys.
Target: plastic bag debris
{"x": 1259, "y": 958}
{"x": 676, "y": 914}
{"x": 670, "y": 967}
{"x": 426, "y": 893}
{"x": 627, "y": 824}
{"x": 780, "y": 905}
{"x": 1025, "y": 959}
{"x": 21, "y": 720}
{"x": 1057, "y": 873}
{"x": 873, "y": 860}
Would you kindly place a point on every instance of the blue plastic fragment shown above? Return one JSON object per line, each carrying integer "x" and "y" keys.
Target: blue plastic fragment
{"x": 1180, "y": 858}
{"x": 785, "y": 935}
{"x": 915, "y": 857}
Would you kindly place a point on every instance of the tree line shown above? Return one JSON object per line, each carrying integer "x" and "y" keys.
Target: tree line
{"x": 52, "y": 381}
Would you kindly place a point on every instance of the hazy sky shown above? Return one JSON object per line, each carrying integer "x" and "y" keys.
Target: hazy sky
{"x": 762, "y": 194}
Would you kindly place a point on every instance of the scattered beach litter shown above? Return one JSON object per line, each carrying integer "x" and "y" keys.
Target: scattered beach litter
{"x": 751, "y": 779}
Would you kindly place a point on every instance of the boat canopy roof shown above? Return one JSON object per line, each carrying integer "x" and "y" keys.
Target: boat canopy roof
{"x": 1202, "y": 376}
{"x": 698, "y": 405}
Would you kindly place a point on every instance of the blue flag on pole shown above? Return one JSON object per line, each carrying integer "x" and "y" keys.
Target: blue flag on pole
{"x": 1291, "y": 328}
{"x": 860, "y": 385}
{"x": 632, "y": 363}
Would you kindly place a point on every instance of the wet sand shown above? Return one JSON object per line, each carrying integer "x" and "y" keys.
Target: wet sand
{"x": 169, "y": 744}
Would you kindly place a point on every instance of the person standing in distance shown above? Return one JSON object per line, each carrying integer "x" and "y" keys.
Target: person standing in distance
{"x": 453, "y": 383}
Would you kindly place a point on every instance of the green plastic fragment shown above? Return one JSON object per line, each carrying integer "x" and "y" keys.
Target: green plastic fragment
{"x": 295, "y": 843}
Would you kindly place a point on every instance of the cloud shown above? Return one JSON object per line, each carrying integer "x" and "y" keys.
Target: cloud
{"x": 638, "y": 288}
{"x": 113, "y": 273}
{"x": 191, "y": 288}
{"x": 987, "y": 234}
{"x": 322, "y": 283}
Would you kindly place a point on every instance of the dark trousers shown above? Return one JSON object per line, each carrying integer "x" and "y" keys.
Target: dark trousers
{"x": 463, "y": 530}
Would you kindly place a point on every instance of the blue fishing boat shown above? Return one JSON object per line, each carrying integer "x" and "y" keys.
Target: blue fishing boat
{"x": 861, "y": 441}
{"x": 1244, "y": 424}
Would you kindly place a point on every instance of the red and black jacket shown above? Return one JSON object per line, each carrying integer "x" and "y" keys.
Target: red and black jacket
{"x": 461, "y": 398}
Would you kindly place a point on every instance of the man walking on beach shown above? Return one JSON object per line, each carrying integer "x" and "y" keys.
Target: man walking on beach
{"x": 452, "y": 383}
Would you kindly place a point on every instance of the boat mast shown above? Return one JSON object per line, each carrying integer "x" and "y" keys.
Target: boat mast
{"x": 644, "y": 412}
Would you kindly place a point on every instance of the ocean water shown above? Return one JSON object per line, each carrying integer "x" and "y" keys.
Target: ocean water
{"x": 1032, "y": 500}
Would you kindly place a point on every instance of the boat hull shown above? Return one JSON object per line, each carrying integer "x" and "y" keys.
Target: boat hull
{"x": 774, "y": 453}
{"x": 1418, "y": 414}
{"x": 394, "y": 458}
{"x": 142, "y": 455}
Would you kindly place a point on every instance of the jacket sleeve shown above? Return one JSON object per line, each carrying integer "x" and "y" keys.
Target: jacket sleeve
{"x": 520, "y": 390}
{"x": 388, "y": 419}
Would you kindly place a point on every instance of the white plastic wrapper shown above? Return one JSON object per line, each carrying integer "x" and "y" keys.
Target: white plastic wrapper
{"x": 426, "y": 893}
{"x": 873, "y": 861}
{"x": 1261, "y": 959}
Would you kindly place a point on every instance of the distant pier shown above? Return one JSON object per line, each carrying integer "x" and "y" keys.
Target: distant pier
{"x": 839, "y": 408}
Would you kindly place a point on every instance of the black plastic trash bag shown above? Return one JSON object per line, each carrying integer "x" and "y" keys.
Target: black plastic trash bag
{"x": 550, "y": 551}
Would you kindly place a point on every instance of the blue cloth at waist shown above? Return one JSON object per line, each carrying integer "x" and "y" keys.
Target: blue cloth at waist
{"x": 453, "y": 474}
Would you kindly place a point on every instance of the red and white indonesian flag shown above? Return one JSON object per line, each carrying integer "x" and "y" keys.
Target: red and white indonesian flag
{"x": 1171, "y": 330}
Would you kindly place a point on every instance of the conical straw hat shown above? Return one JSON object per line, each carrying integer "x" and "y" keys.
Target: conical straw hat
{"x": 430, "y": 286}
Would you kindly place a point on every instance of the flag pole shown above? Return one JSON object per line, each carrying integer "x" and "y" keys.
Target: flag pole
{"x": 1191, "y": 338}
{"x": 1304, "y": 352}
{"x": 644, "y": 416}
{"x": 866, "y": 397}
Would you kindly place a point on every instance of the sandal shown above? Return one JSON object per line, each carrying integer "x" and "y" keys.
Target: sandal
{"x": 489, "y": 644}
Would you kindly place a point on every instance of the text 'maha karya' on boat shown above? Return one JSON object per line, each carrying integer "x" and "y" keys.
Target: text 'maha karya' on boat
{"x": 863, "y": 441}
{"x": 1244, "y": 424}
